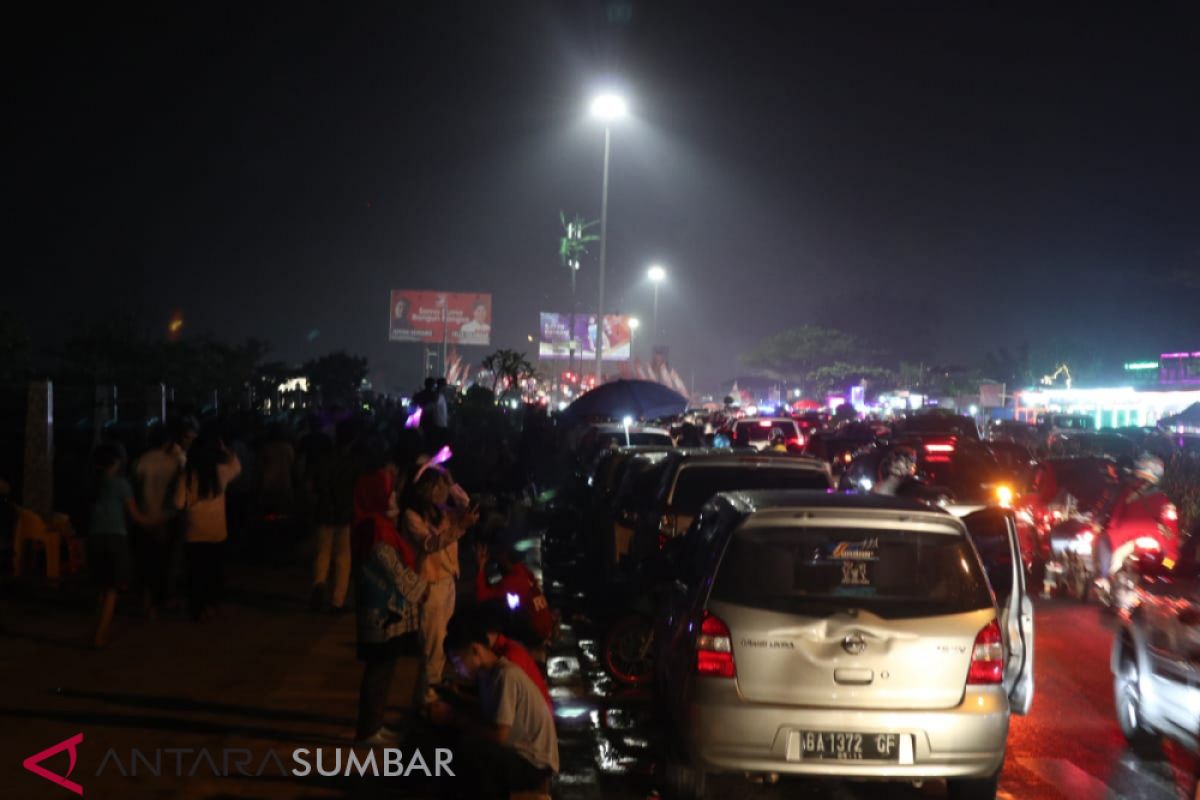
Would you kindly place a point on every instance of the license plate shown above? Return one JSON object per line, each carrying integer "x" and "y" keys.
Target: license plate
{"x": 823, "y": 745}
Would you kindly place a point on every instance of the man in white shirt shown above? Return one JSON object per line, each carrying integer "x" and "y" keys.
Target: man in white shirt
{"x": 513, "y": 741}
{"x": 156, "y": 473}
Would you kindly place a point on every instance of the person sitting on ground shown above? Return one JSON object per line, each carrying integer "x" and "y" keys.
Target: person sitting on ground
{"x": 520, "y": 592}
{"x": 512, "y": 745}
{"x": 514, "y": 651}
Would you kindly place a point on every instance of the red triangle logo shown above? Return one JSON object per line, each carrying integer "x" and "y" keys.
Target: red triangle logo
{"x": 33, "y": 763}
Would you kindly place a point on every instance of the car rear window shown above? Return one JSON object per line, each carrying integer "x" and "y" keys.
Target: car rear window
{"x": 817, "y": 572}
{"x": 756, "y": 432}
{"x": 695, "y": 485}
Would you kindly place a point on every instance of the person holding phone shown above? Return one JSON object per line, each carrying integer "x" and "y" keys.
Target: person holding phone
{"x": 437, "y": 513}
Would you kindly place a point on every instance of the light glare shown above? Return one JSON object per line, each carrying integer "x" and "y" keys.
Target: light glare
{"x": 608, "y": 106}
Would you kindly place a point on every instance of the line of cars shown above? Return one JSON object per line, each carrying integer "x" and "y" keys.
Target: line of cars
{"x": 794, "y": 629}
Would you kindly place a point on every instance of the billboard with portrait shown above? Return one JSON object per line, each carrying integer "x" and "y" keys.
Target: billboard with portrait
{"x": 556, "y": 336}
{"x": 419, "y": 316}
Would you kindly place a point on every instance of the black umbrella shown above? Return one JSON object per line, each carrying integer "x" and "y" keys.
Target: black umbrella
{"x": 619, "y": 399}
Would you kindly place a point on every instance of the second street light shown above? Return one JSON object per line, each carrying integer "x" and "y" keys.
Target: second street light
{"x": 608, "y": 108}
{"x": 657, "y": 275}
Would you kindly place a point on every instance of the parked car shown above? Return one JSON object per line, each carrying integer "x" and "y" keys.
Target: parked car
{"x": 845, "y": 636}
{"x": 1156, "y": 654}
{"x": 691, "y": 478}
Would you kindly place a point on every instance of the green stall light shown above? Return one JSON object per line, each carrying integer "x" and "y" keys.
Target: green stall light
{"x": 1134, "y": 366}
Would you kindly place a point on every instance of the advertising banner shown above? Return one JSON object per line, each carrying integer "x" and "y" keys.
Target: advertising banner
{"x": 556, "y": 336}
{"x": 420, "y": 316}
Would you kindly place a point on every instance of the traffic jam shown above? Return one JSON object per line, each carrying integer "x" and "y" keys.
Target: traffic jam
{"x": 849, "y": 605}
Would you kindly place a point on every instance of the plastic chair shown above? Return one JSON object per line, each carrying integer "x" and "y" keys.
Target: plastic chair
{"x": 32, "y": 529}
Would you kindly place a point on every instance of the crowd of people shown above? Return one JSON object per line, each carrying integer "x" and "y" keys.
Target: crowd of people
{"x": 374, "y": 496}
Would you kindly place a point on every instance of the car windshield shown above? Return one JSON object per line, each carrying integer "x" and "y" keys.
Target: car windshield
{"x": 697, "y": 483}
{"x": 818, "y": 572}
{"x": 938, "y": 423}
{"x": 758, "y": 432}
{"x": 640, "y": 482}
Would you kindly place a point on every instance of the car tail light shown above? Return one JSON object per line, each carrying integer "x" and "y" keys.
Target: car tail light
{"x": 764, "y": 423}
{"x": 1170, "y": 513}
{"x": 714, "y": 649}
{"x": 796, "y": 441}
{"x": 1147, "y": 543}
{"x": 987, "y": 657}
{"x": 947, "y": 447}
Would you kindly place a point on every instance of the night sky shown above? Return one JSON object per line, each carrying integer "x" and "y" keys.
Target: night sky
{"x": 940, "y": 179}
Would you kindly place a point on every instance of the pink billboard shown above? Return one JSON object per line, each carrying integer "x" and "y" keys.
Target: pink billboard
{"x": 455, "y": 317}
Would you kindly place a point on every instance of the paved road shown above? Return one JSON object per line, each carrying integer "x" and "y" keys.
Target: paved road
{"x": 1068, "y": 748}
{"x": 274, "y": 677}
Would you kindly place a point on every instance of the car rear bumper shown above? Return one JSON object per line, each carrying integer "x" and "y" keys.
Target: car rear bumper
{"x": 728, "y": 734}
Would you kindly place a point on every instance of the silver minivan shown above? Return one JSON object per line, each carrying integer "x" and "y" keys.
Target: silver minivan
{"x": 843, "y": 635}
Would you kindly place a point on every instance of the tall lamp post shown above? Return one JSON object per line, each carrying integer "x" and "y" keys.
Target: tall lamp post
{"x": 657, "y": 275}
{"x": 607, "y": 108}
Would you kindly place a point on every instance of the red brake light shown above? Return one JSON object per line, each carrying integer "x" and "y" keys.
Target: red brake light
{"x": 764, "y": 423}
{"x": 1170, "y": 513}
{"x": 987, "y": 657}
{"x": 714, "y": 649}
{"x": 939, "y": 448}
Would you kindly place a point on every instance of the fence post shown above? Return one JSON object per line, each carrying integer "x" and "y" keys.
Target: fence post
{"x": 156, "y": 403}
{"x": 38, "y": 486}
{"x": 104, "y": 411}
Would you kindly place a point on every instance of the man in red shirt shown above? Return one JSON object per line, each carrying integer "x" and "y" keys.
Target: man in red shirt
{"x": 518, "y": 589}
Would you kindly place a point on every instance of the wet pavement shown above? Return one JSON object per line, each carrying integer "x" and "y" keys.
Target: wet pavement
{"x": 1069, "y": 747}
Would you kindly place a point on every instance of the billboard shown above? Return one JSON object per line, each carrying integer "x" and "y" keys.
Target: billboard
{"x": 419, "y": 317}
{"x": 556, "y": 336}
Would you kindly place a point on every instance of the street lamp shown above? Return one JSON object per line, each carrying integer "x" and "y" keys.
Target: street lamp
{"x": 634, "y": 324}
{"x": 607, "y": 108}
{"x": 657, "y": 275}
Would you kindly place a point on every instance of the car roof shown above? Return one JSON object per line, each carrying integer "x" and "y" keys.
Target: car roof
{"x": 785, "y": 499}
{"x": 617, "y": 427}
{"x": 733, "y": 458}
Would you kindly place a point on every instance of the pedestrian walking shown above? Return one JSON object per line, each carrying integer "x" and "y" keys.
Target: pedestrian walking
{"x": 388, "y": 597}
{"x": 435, "y": 526}
{"x": 200, "y": 495}
{"x": 108, "y": 534}
{"x": 512, "y": 745}
{"x": 332, "y": 488}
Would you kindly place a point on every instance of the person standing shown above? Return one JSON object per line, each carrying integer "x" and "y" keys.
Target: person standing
{"x": 441, "y": 415}
{"x": 389, "y": 594}
{"x": 157, "y": 472}
{"x": 200, "y": 495}
{"x": 108, "y": 534}
{"x": 332, "y": 486}
{"x": 435, "y": 528}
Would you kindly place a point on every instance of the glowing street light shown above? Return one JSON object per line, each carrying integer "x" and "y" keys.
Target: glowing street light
{"x": 608, "y": 108}
{"x": 657, "y": 275}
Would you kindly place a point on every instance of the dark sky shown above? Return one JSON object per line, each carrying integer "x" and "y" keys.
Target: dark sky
{"x": 941, "y": 179}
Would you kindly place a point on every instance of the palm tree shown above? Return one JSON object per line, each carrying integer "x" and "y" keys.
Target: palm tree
{"x": 509, "y": 365}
